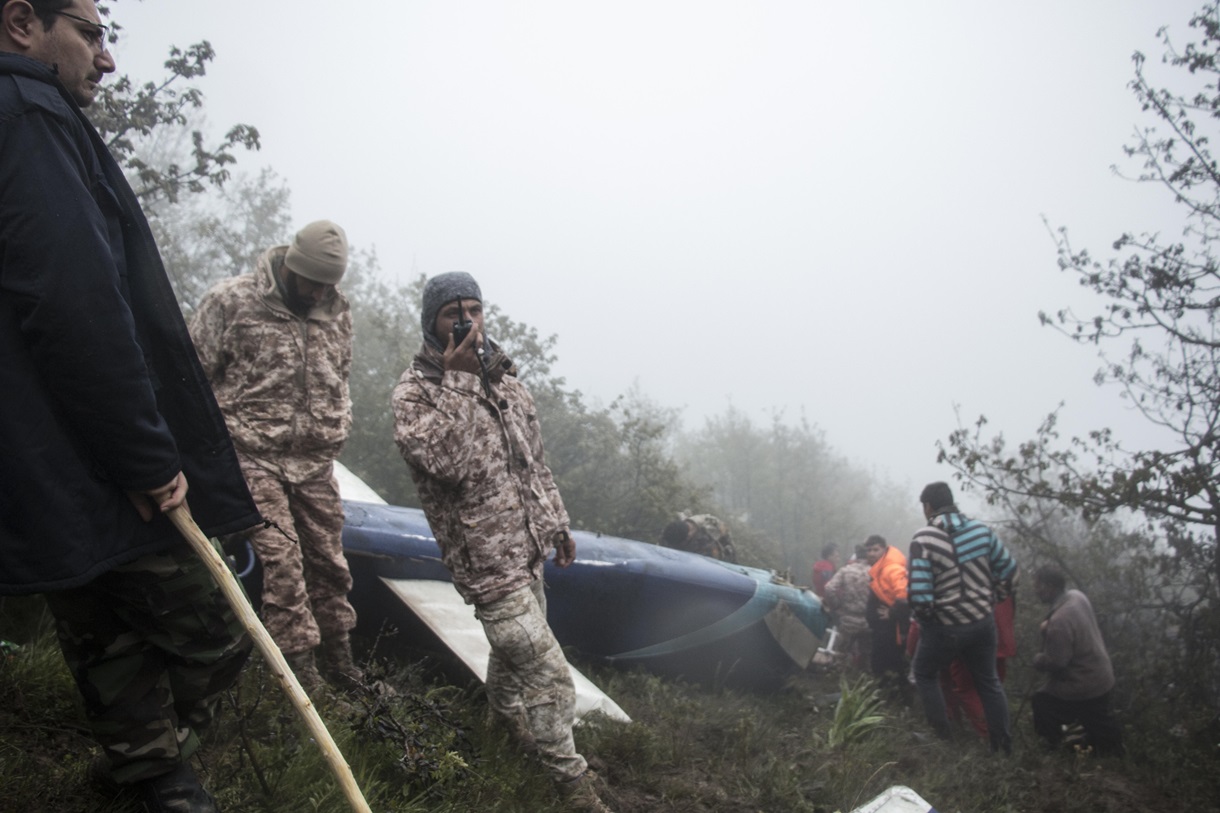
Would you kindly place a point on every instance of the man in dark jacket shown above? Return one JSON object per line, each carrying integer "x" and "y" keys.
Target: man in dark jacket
{"x": 106, "y": 416}
{"x": 1079, "y": 676}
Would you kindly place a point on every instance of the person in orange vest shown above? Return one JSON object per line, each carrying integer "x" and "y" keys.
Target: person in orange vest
{"x": 888, "y": 615}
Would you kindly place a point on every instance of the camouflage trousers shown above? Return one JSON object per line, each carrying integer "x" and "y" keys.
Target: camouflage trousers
{"x": 151, "y": 644}
{"x": 528, "y": 677}
{"x": 305, "y": 575}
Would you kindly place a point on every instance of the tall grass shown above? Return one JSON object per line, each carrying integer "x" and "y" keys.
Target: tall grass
{"x": 824, "y": 743}
{"x": 858, "y": 713}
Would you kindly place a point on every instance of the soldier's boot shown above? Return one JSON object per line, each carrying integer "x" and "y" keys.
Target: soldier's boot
{"x": 306, "y": 670}
{"x": 337, "y": 665}
{"x": 178, "y": 791}
{"x": 580, "y": 794}
{"x": 304, "y": 666}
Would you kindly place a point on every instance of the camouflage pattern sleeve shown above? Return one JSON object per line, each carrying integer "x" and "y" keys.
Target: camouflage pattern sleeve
{"x": 544, "y": 471}
{"x": 490, "y": 501}
{"x": 345, "y": 362}
{"x": 207, "y": 327}
{"x": 433, "y": 425}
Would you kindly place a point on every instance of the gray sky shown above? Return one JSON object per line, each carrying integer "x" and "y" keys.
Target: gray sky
{"x": 827, "y": 208}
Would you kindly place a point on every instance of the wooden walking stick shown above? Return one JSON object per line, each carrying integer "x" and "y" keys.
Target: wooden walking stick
{"x": 224, "y": 577}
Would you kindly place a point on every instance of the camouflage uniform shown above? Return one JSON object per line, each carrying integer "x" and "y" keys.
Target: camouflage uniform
{"x": 710, "y": 537}
{"x": 305, "y": 584}
{"x": 847, "y": 597}
{"x": 477, "y": 462}
{"x": 478, "y": 465}
{"x": 528, "y": 677}
{"x": 282, "y": 383}
{"x": 147, "y": 696}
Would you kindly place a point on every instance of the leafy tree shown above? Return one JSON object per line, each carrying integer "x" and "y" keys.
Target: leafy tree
{"x": 128, "y": 115}
{"x": 220, "y": 233}
{"x": 1158, "y": 304}
{"x": 155, "y": 129}
{"x": 615, "y": 465}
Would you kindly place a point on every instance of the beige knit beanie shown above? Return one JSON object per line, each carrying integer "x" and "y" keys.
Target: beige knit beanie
{"x": 319, "y": 252}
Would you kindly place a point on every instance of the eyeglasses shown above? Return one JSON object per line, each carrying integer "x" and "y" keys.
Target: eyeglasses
{"x": 97, "y": 33}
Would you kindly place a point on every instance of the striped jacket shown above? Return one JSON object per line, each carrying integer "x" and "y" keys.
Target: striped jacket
{"x": 958, "y": 570}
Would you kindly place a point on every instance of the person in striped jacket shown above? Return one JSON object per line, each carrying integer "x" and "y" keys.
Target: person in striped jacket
{"x": 959, "y": 569}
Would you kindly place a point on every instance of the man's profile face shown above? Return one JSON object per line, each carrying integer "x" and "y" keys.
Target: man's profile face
{"x": 874, "y": 553}
{"x": 451, "y": 312}
{"x": 76, "y": 48}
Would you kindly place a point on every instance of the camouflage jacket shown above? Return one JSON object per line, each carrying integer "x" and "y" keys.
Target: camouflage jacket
{"x": 847, "y": 596}
{"x": 281, "y": 381}
{"x": 478, "y": 465}
{"x": 711, "y": 537}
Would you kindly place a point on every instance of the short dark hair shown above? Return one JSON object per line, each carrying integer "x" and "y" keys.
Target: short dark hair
{"x": 1052, "y": 577}
{"x": 675, "y": 533}
{"x": 936, "y": 495}
{"x": 45, "y": 10}
{"x": 829, "y": 550}
{"x": 861, "y": 552}
{"x": 876, "y": 539}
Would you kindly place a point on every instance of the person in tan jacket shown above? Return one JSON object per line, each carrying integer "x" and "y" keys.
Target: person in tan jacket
{"x": 468, "y": 430}
{"x": 276, "y": 344}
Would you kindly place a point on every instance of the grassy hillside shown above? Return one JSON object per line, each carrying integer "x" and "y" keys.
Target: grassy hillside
{"x": 690, "y": 748}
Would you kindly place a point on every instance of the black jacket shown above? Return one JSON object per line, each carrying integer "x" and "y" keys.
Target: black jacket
{"x": 100, "y": 388}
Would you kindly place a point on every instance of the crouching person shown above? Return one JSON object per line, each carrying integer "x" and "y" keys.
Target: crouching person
{"x": 468, "y": 429}
{"x": 1079, "y": 675}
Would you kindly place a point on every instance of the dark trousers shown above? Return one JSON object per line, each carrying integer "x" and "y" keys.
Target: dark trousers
{"x": 1101, "y": 730}
{"x": 150, "y": 643}
{"x": 888, "y": 659}
{"x": 975, "y": 645}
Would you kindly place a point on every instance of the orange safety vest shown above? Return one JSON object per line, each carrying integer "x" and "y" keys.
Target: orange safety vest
{"x": 888, "y": 578}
